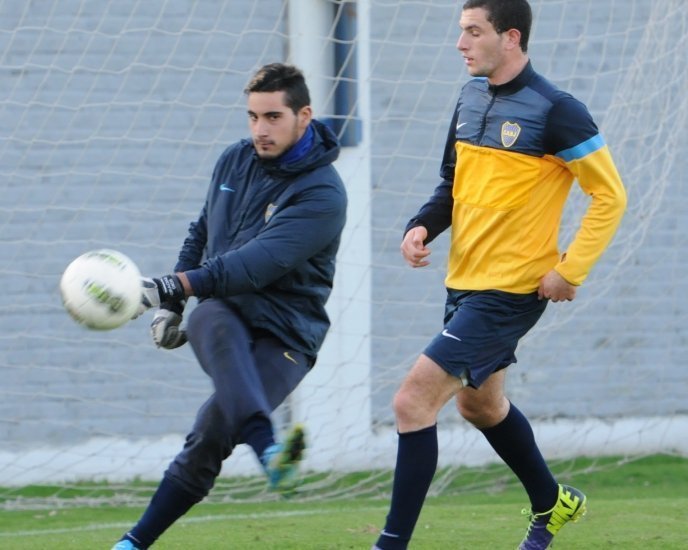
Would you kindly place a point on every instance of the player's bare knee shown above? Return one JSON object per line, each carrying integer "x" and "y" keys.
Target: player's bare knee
{"x": 402, "y": 405}
{"x": 409, "y": 410}
{"x": 470, "y": 411}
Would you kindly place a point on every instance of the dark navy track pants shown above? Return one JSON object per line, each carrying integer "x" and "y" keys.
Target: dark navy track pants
{"x": 251, "y": 376}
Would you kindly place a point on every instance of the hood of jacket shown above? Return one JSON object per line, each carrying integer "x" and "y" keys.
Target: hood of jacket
{"x": 325, "y": 150}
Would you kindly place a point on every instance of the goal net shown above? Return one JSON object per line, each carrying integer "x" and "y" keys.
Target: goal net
{"x": 114, "y": 114}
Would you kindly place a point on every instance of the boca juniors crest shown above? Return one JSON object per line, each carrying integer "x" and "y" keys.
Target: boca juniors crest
{"x": 510, "y": 132}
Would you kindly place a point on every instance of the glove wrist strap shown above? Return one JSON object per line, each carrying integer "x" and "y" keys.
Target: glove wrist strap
{"x": 170, "y": 289}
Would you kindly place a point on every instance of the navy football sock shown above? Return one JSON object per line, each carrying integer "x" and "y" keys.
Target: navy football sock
{"x": 514, "y": 442}
{"x": 416, "y": 465}
{"x": 169, "y": 503}
{"x": 258, "y": 434}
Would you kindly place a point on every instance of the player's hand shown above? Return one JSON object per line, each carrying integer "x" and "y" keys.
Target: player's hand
{"x": 413, "y": 248}
{"x": 557, "y": 289}
{"x": 165, "y": 328}
{"x": 157, "y": 291}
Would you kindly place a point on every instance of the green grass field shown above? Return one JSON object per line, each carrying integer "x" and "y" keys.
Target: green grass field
{"x": 639, "y": 504}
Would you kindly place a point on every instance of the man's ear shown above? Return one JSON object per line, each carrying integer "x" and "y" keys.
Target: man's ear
{"x": 305, "y": 115}
{"x": 513, "y": 39}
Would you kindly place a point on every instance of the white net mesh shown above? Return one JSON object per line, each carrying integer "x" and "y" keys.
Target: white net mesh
{"x": 113, "y": 115}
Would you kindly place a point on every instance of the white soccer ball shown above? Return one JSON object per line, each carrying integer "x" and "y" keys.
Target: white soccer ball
{"x": 101, "y": 289}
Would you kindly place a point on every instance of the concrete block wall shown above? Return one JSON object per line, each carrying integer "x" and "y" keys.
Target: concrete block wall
{"x": 113, "y": 114}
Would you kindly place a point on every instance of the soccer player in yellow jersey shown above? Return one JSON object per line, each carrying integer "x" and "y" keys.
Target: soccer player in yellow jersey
{"x": 515, "y": 145}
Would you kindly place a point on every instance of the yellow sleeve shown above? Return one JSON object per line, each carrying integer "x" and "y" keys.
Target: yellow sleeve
{"x": 598, "y": 177}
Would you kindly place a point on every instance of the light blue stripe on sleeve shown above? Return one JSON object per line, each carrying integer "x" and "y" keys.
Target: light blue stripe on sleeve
{"x": 591, "y": 145}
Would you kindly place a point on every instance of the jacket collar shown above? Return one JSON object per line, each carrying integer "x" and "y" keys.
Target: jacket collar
{"x": 514, "y": 85}
{"x": 323, "y": 149}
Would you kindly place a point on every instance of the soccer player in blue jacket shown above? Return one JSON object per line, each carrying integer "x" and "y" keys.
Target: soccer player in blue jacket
{"x": 516, "y": 143}
{"x": 260, "y": 259}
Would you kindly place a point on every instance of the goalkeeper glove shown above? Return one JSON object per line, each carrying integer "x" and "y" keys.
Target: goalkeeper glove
{"x": 165, "y": 328}
{"x": 156, "y": 291}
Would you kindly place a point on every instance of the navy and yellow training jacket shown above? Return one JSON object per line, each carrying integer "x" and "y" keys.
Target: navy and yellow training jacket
{"x": 511, "y": 156}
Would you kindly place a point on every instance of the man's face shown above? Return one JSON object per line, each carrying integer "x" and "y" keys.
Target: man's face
{"x": 480, "y": 45}
{"x": 274, "y": 126}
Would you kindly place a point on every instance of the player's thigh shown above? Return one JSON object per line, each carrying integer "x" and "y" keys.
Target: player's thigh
{"x": 280, "y": 368}
{"x": 427, "y": 386}
{"x": 217, "y": 317}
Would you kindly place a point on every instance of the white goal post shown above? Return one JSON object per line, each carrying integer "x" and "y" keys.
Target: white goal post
{"x": 114, "y": 113}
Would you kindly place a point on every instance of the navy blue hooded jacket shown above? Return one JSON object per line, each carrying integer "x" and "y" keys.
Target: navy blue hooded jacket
{"x": 268, "y": 235}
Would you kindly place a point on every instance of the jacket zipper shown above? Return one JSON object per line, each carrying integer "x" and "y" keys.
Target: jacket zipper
{"x": 483, "y": 125}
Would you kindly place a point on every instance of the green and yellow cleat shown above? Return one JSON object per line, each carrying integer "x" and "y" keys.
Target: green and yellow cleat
{"x": 570, "y": 506}
{"x": 282, "y": 461}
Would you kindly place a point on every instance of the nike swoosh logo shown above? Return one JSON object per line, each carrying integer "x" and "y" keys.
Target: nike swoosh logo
{"x": 225, "y": 187}
{"x": 460, "y": 125}
{"x": 286, "y": 354}
{"x": 388, "y": 534}
{"x": 446, "y": 333}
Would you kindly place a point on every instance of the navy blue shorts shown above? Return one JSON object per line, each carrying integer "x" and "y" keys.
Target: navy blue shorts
{"x": 481, "y": 332}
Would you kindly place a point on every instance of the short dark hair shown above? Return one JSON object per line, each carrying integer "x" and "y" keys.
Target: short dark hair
{"x": 507, "y": 14}
{"x": 278, "y": 77}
